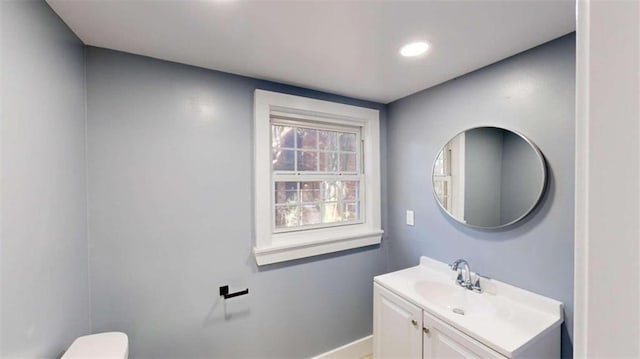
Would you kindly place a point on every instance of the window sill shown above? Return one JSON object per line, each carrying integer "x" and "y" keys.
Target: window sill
{"x": 284, "y": 251}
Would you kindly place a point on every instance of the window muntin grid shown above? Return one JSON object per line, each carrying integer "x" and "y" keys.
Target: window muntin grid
{"x": 316, "y": 175}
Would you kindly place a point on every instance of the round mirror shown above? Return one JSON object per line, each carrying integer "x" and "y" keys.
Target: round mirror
{"x": 489, "y": 177}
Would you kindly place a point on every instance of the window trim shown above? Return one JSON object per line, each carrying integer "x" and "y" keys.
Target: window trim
{"x": 273, "y": 247}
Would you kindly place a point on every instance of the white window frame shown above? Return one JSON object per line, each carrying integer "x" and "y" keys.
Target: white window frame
{"x": 458, "y": 148}
{"x": 272, "y": 246}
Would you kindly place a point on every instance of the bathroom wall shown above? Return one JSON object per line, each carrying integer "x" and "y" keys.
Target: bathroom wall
{"x": 532, "y": 93}
{"x": 607, "y": 278}
{"x": 44, "y": 299}
{"x": 170, "y": 219}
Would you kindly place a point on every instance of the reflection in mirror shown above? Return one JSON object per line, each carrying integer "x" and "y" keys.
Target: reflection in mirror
{"x": 488, "y": 177}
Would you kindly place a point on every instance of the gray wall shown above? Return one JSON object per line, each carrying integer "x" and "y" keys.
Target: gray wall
{"x": 170, "y": 181}
{"x": 43, "y": 245}
{"x": 532, "y": 93}
{"x": 483, "y": 176}
{"x": 522, "y": 177}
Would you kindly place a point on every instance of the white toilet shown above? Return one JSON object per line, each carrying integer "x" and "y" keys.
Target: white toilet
{"x": 111, "y": 345}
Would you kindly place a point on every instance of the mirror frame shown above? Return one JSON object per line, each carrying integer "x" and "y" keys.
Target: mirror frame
{"x": 543, "y": 188}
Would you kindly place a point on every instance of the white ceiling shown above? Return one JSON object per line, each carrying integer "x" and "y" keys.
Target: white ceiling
{"x": 344, "y": 47}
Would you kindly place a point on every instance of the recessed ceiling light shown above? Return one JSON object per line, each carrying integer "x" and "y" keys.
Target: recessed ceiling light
{"x": 414, "y": 49}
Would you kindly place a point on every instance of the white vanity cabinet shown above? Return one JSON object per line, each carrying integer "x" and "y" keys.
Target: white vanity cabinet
{"x": 403, "y": 330}
{"x": 440, "y": 340}
{"x": 420, "y": 312}
{"x": 397, "y": 326}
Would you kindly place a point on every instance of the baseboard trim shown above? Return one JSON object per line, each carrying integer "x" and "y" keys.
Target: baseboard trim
{"x": 354, "y": 350}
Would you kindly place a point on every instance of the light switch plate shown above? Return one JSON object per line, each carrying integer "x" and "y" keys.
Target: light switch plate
{"x": 410, "y": 217}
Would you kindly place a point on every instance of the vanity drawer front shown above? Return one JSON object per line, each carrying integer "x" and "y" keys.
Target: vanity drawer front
{"x": 440, "y": 340}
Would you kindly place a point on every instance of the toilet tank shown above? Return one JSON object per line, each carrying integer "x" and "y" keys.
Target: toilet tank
{"x": 112, "y": 345}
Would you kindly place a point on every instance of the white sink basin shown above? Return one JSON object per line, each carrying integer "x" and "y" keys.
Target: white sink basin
{"x": 456, "y": 299}
{"x": 502, "y": 317}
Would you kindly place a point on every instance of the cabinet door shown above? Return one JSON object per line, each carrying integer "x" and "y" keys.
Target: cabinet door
{"x": 443, "y": 341}
{"x": 397, "y": 326}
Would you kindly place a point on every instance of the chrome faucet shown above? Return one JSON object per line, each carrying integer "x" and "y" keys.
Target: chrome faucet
{"x": 464, "y": 275}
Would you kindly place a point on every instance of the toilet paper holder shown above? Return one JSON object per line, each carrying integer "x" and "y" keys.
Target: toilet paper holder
{"x": 224, "y": 292}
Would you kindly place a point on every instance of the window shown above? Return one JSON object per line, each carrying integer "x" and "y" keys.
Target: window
{"x": 316, "y": 174}
{"x": 317, "y": 177}
{"x": 442, "y": 177}
{"x": 449, "y": 176}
